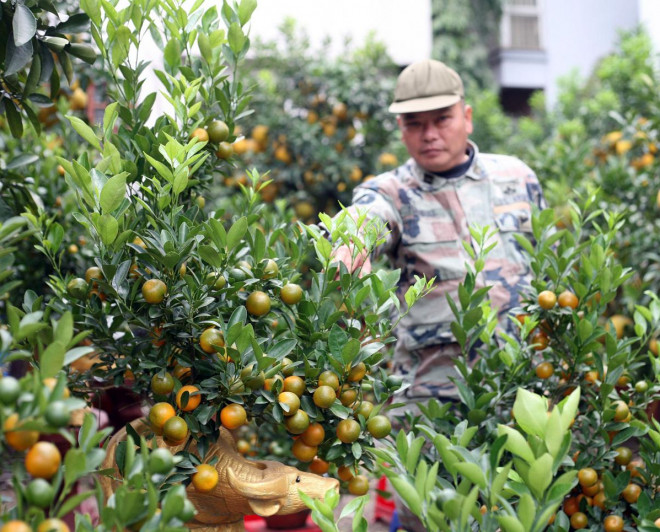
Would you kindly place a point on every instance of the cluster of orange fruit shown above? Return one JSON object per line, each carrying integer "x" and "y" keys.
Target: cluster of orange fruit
{"x": 590, "y": 492}
{"x": 178, "y": 393}
{"x": 547, "y": 300}
{"x": 217, "y": 133}
{"x": 539, "y": 338}
{"x": 310, "y": 434}
{"x": 615, "y": 142}
{"x": 42, "y": 459}
{"x": 332, "y": 124}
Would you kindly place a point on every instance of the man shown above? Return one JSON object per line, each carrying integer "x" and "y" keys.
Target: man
{"x": 429, "y": 203}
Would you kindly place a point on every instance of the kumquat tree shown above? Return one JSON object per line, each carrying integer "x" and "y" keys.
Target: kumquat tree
{"x": 180, "y": 348}
{"x": 204, "y": 314}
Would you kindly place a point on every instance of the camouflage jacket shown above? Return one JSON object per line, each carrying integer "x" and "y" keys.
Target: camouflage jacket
{"x": 428, "y": 222}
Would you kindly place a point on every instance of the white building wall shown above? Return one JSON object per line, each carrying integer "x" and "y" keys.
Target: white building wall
{"x": 649, "y": 15}
{"x": 404, "y": 26}
{"x": 577, "y": 33}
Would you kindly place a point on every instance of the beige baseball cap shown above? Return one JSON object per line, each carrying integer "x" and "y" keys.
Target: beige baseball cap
{"x": 425, "y": 86}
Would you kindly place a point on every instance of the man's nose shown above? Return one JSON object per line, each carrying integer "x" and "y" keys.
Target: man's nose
{"x": 430, "y": 130}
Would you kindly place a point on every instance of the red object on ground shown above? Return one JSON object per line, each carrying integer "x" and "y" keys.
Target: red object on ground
{"x": 255, "y": 523}
{"x": 384, "y": 508}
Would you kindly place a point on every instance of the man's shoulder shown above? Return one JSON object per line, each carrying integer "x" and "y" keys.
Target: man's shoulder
{"x": 390, "y": 181}
{"x": 497, "y": 166}
{"x": 500, "y": 160}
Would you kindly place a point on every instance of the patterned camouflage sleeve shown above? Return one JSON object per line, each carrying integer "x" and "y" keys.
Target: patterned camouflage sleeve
{"x": 534, "y": 190}
{"x": 372, "y": 198}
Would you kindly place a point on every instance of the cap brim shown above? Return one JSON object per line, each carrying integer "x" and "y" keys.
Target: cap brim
{"x": 419, "y": 105}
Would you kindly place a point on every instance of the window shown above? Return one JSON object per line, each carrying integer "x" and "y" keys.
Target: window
{"x": 520, "y": 25}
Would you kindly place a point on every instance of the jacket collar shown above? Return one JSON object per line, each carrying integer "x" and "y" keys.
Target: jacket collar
{"x": 476, "y": 171}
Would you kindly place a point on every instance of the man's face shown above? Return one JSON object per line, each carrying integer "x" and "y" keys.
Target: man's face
{"x": 437, "y": 139}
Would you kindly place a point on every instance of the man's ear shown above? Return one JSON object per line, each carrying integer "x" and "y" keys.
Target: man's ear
{"x": 468, "y": 119}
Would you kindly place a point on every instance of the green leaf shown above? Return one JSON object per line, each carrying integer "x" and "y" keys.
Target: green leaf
{"x": 17, "y": 57}
{"x": 217, "y": 233}
{"x": 236, "y": 233}
{"x": 84, "y": 131}
{"x": 173, "y": 53}
{"x": 245, "y": 338}
{"x": 350, "y": 350}
{"x": 516, "y": 443}
{"x": 52, "y": 359}
{"x": 75, "y": 466}
{"x": 22, "y": 160}
{"x": 554, "y": 434}
{"x": 73, "y": 501}
{"x": 210, "y": 255}
{"x": 510, "y": 523}
{"x": 562, "y": 486}
{"x": 34, "y": 76}
{"x": 128, "y": 504}
{"x": 413, "y": 453}
{"x": 66, "y": 65}
{"x": 584, "y": 329}
{"x": 540, "y": 474}
{"x": 113, "y": 192}
{"x": 408, "y": 494}
{"x": 82, "y": 51}
{"x": 77, "y": 23}
{"x": 109, "y": 117}
{"x": 162, "y": 170}
{"x": 431, "y": 479}
{"x": 24, "y": 25}
{"x": 107, "y": 227}
{"x": 323, "y": 249}
{"x": 75, "y": 353}
{"x": 473, "y": 473}
{"x": 524, "y": 243}
{"x": 353, "y": 506}
{"x": 568, "y": 408}
{"x": 336, "y": 340}
{"x": 544, "y": 515}
{"x": 245, "y": 10}
{"x": 467, "y": 436}
{"x": 172, "y": 504}
{"x": 526, "y": 510}
{"x": 236, "y": 38}
{"x": 63, "y": 330}
{"x": 120, "y": 46}
{"x": 205, "y": 47}
{"x": 282, "y": 348}
{"x": 180, "y": 183}
{"x": 14, "y": 118}
{"x": 449, "y": 458}
{"x": 56, "y": 44}
{"x": 469, "y": 506}
{"x": 55, "y": 235}
{"x": 498, "y": 483}
{"x": 530, "y": 411}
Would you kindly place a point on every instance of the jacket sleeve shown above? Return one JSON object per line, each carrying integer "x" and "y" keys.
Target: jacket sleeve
{"x": 534, "y": 190}
{"x": 375, "y": 201}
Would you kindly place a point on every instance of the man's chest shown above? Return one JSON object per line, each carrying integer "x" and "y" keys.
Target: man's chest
{"x": 448, "y": 212}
